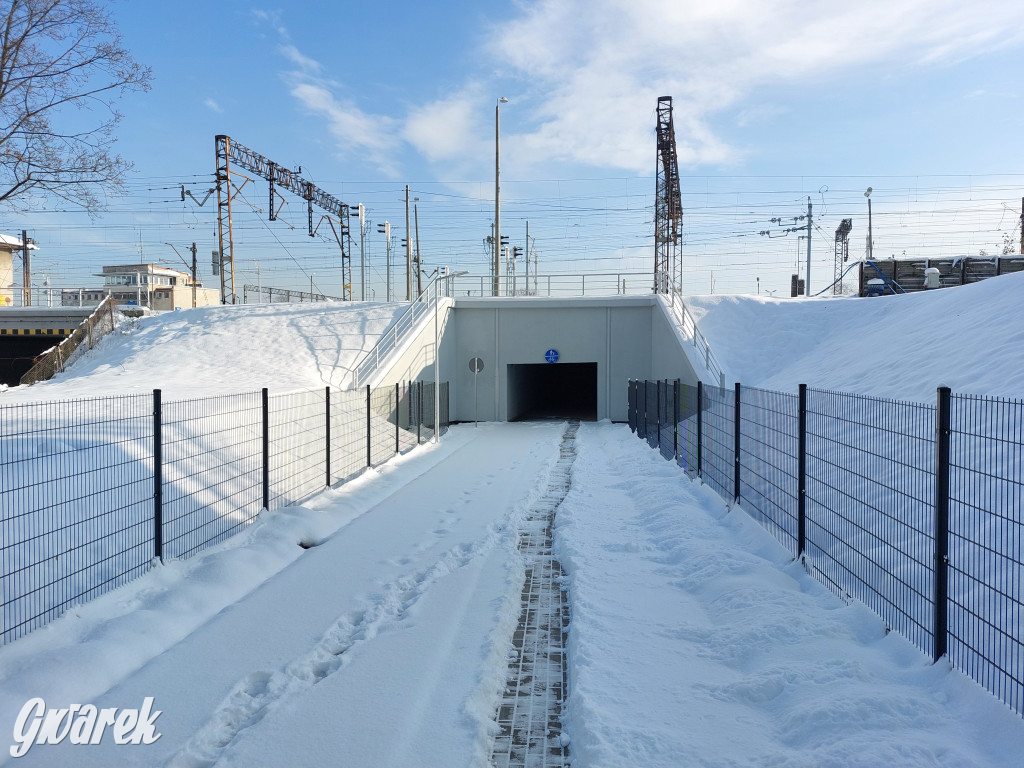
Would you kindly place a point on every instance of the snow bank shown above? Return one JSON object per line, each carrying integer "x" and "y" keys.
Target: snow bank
{"x": 695, "y": 640}
{"x": 969, "y": 338}
{"x": 225, "y": 349}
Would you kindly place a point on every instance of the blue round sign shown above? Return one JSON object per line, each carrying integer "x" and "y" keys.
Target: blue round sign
{"x": 551, "y": 355}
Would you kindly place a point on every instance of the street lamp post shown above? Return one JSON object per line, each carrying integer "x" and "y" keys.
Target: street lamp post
{"x": 497, "y": 194}
{"x": 871, "y": 253}
{"x": 362, "y": 252}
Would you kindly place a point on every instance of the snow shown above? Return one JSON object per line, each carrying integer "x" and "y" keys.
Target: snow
{"x": 225, "y": 349}
{"x": 968, "y": 338}
{"x": 694, "y": 638}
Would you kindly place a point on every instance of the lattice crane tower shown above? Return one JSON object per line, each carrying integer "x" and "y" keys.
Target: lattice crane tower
{"x": 842, "y": 254}
{"x": 668, "y": 205}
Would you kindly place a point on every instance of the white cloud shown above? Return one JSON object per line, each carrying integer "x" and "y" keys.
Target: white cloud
{"x": 353, "y": 129}
{"x": 447, "y": 129}
{"x": 295, "y": 56}
{"x": 213, "y": 106}
{"x": 595, "y": 68}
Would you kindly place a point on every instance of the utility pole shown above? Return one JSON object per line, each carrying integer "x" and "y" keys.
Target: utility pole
{"x": 419, "y": 264}
{"x": 871, "y": 246}
{"x": 26, "y": 271}
{"x": 259, "y": 281}
{"x": 1022, "y": 225}
{"x": 195, "y": 269}
{"x": 362, "y": 252}
{"x": 810, "y": 225}
{"x": 408, "y": 249}
{"x": 527, "y": 258}
{"x": 385, "y": 229}
{"x": 497, "y": 195}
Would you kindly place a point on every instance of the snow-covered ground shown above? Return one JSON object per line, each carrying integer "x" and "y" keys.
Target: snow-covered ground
{"x": 970, "y": 339}
{"x": 371, "y": 625}
{"x": 223, "y": 350}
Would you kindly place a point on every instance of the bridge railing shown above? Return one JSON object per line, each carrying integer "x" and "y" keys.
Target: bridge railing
{"x": 554, "y": 285}
{"x": 93, "y": 328}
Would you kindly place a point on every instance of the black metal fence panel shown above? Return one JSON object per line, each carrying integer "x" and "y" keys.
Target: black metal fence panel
{"x": 718, "y": 440}
{"x": 924, "y": 527}
{"x": 406, "y": 417}
{"x": 631, "y": 404}
{"x": 667, "y": 432}
{"x": 426, "y": 411}
{"x": 91, "y": 491}
{"x": 383, "y": 417}
{"x": 446, "y": 419}
{"x": 76, "y": 504}
{"x": 298, "y": 446}
{"x": 651, "y": 420}
{"x": 348, "y": 434}
{"x": 986, "y": 544}
{"x": 769, "y": 461}
{"x": 870, "y": 505}
{"x": 212, "y": 470}
{"x": 686, "y": 410}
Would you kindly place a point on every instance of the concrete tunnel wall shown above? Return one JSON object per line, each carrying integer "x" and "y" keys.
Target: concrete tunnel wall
{"x": 625, "y": 336}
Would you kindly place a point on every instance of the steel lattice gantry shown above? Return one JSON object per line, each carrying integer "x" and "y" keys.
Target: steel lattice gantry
{"x": 231, "y": 152}
{"x": 842, "y": 254}
{"x": 668, "y": 205}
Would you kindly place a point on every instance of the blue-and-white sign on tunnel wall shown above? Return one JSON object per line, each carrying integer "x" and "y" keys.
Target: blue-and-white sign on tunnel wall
{"x": 551, "y": 355}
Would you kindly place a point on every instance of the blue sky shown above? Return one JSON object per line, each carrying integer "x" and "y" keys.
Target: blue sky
{"x": 774, "y": 102}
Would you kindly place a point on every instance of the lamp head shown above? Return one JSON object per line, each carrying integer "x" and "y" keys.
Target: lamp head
{"x": 503, "y": 100}
{"x": 868, "y": 193}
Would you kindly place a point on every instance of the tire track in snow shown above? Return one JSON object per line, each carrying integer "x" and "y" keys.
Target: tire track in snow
{"x": 254, "y": 695}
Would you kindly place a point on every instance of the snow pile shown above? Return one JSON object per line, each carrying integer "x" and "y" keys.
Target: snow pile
{"x": 695, "y": 640}
{"x": 969, "y": 338}
{"x": 226, "y": 349}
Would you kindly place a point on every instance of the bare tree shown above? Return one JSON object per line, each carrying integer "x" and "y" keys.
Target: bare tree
{"x": 62, "y": 69}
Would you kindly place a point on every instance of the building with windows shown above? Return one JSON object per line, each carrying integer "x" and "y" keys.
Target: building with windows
{"x": 143, "y": 285}
{"x": 9, "y": 295}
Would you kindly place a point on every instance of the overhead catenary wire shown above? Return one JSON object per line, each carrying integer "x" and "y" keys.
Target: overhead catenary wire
{"x": 583, "y": 224}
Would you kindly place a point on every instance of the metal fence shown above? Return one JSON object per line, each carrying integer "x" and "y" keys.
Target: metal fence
{"x": 913, "y": 509}
{"x": 93, "y": 490}
{"x": 101, "y": 322}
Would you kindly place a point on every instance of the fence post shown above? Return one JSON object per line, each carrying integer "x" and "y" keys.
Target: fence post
{"x": 266, "y": 449}
{"x": 327, "y": 443}
{"x": 700, "y": 427}
{"x": 398, "y": 442}
{"x": 645, "y": 405}
{"x": 941, "y": 564}
{"x": 158, "y": 478}
{"x": 369, "y": 431}
{"x": 675, "y": 421}
{"x": 801, "y": 504}
{"x": 419, "y": 412}
{"x": 736, "y": 439}
{"x": 657, "y": 409}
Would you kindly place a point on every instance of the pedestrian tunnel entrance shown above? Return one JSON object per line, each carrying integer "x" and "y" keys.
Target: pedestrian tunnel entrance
{"x": 552, "y": 391}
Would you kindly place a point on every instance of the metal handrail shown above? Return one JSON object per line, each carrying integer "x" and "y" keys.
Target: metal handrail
{"x": 688, "y": 327}
{"x": 554, "y": 284}
{"x": 396, "y": 334}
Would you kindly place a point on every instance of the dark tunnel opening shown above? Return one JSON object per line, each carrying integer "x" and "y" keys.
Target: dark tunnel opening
{"x": 552, "y": 391}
